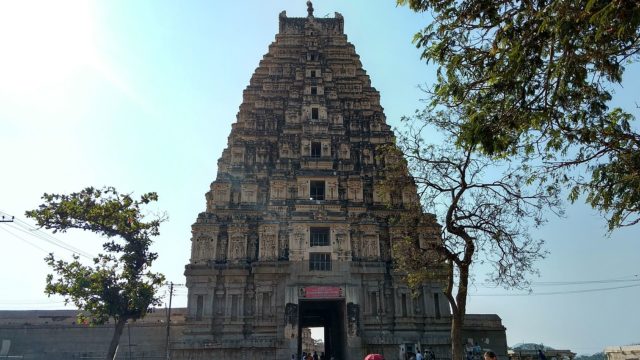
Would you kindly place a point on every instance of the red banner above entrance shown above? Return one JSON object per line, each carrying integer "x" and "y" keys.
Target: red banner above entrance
{"x": 321, "y": 292}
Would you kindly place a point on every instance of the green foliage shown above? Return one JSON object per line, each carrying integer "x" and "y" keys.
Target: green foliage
{"x": 119, "y": 283}
{"x": 532, "y": 79}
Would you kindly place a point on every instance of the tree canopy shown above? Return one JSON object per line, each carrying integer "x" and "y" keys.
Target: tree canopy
{"x": 535, "y": 79}
{"x": 119, "y": 284}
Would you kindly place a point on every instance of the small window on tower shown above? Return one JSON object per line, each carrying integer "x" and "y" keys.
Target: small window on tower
{"x": 404, "y": 305}
{"x": 314, "y": 113}
{"x": 266, "y": 304}
{"x": 316, "y": 190}
{"x": 319, "y": 236}
{"x": 313, "y": 73}
{"x": 234, "y": 307}
{"x": 373, "y": 301}
{"x": 316, "y": 149}
{"x": 320, "y": 261}
{"x": 199, "y": 307}
{"x": 314, "y": 90}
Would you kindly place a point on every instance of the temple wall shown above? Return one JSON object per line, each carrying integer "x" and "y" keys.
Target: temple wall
{"x": 54, "y": 335}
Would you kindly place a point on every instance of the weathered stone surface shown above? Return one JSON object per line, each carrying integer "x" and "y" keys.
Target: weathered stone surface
{"x": 55, "y": 335}
{"x": 294, "y": 210}
{"x": 629, "y": 352}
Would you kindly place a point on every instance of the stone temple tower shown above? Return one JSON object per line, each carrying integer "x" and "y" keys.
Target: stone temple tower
{"x": 296, "y": 233}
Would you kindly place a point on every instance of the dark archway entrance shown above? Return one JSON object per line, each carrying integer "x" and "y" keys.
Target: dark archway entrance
{"x": 329, "y": 314}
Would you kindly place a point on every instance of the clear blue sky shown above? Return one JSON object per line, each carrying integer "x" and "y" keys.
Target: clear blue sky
{"x": 141, "y": 95}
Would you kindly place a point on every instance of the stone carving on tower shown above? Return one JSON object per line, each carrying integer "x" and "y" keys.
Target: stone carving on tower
{"x": 296, "y": 229}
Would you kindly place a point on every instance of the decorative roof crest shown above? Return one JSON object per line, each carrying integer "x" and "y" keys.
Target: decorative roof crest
{"x": 310, "y": 8}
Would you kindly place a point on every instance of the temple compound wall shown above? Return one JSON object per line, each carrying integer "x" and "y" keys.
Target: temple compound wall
{"x": 56, "y": 335}
{"x": 297, "y": 231}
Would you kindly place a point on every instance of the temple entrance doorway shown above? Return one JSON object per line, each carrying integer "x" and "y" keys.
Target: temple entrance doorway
{"x": 327, "y": 314}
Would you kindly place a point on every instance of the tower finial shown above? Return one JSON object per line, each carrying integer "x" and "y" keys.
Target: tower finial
{"x": 310, "y": 8}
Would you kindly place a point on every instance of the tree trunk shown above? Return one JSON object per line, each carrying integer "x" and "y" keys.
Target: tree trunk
{"x": 115, "y": 340}
{"x": 456, "y": 337}
{"x": 458, "y": 314}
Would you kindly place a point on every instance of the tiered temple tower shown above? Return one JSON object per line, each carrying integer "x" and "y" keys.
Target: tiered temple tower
{"x": 296, "y": 231}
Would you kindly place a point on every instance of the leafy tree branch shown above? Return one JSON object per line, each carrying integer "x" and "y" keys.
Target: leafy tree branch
{"x": 533, "y": 79}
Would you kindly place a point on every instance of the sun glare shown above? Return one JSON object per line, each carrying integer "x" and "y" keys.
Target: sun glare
{"x": 43, "y": 44}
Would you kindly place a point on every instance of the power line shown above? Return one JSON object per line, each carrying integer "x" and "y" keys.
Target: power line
{"x": 2, "y": 303}
{"x": 170, "y": 283}
{"x": 55, "y": 242}
{"x": 46, "y": 236}
{"x": 563, "y": 283}
{"x": 560, "y": 292}
{"x": 28, "y": 229}
{"x": 25, "y": 240}
{"x": 633, "y": 278}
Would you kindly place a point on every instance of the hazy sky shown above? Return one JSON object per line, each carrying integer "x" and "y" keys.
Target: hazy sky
{"x": 141, "y": 95}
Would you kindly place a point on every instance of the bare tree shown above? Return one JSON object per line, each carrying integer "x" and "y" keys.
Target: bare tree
{"x": 485, "y": 207}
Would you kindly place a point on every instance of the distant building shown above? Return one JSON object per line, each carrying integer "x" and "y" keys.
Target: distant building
{"x": 629, "y": 352}
{"x": 482, "y": 333}
{"x": 539, "y": 352}
{"x": 307, "y": 341}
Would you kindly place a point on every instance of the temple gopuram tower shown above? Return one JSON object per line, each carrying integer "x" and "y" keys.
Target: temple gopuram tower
{"x": 296, "y": 233}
